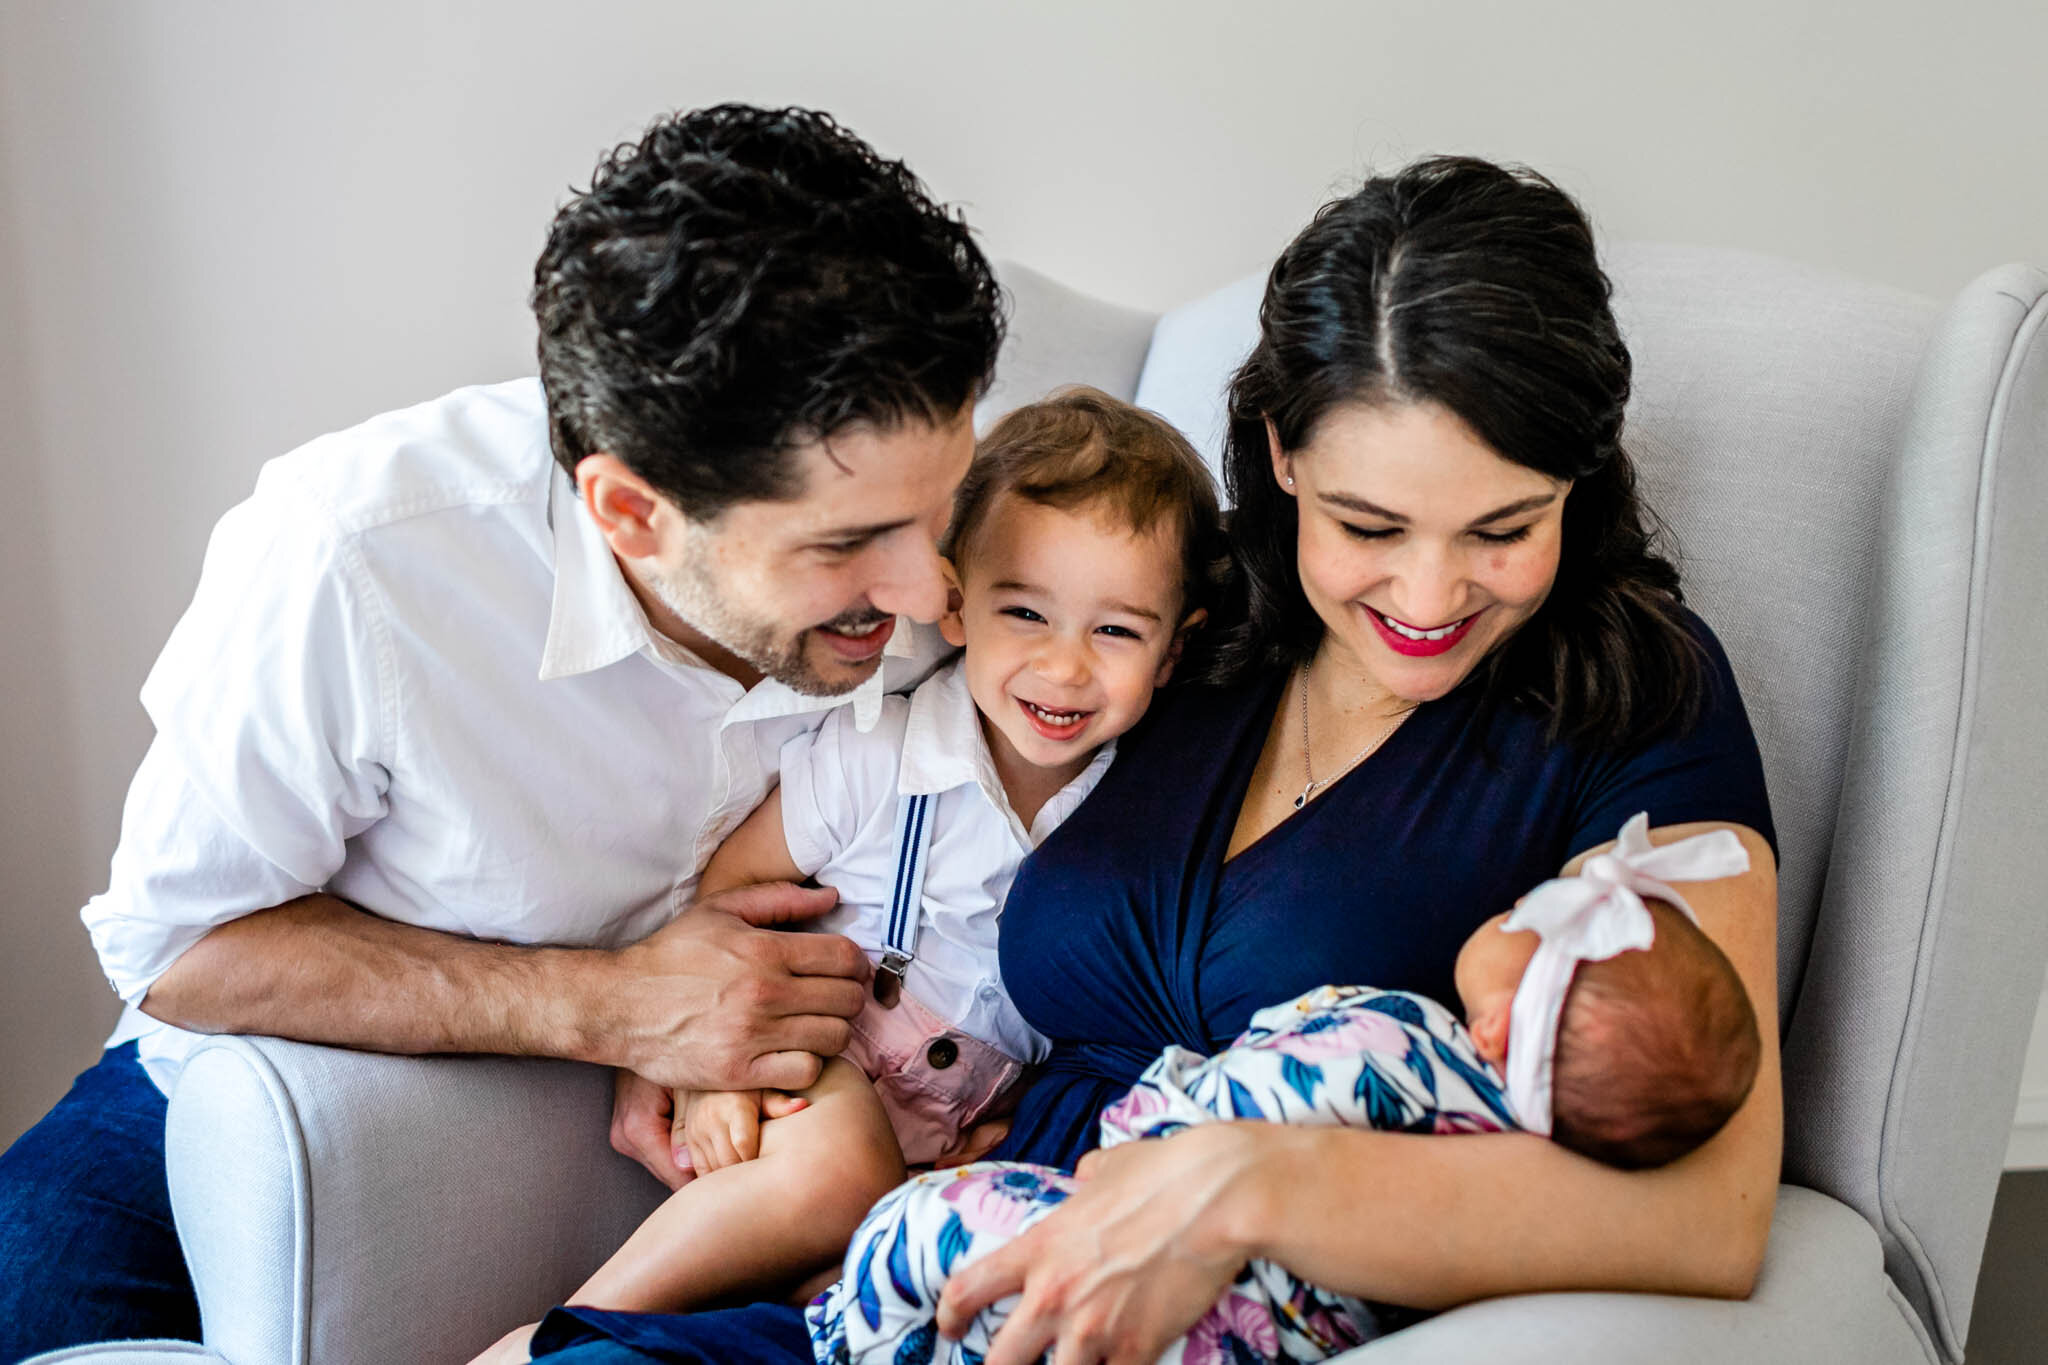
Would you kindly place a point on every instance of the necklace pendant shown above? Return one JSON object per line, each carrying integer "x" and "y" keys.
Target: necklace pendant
{"x": 1301, "y": 800}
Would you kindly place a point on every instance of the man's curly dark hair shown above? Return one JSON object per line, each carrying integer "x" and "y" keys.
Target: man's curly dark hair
{"x": 742, "y": 281}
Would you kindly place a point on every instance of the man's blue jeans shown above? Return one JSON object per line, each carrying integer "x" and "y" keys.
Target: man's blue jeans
{"x": 87, "y": 1248}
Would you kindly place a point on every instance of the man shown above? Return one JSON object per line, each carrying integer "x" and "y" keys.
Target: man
{"x": 467, "y": 695}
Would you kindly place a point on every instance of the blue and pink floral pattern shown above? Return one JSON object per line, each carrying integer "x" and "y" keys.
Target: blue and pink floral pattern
{"x": 1345, "y": 1055}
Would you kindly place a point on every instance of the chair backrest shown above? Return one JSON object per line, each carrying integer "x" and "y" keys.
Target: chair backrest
{"x": 1835, "y": 461}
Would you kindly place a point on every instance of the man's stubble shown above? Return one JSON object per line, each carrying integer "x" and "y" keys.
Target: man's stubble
{"x": 777, "y": 649}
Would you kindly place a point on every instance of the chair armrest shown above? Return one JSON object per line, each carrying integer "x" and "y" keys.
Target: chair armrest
{"x": 130, "y": 1353}
{"x": 1822, "y": 1296}
{"x": 349, "y": 1208}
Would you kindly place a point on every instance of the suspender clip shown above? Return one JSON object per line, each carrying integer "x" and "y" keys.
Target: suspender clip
{"x": 889, "y": 979}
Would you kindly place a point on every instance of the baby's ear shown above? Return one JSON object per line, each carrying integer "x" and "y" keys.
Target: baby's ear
{"x": 1489, "y": 1030}
{"x": 951, "y": 628}
{"x": 1188, "y": 626}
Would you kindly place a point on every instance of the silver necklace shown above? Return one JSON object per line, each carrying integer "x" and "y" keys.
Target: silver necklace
{"x": 1315, "y": 784}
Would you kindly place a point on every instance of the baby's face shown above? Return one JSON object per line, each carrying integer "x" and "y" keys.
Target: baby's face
{"x": 1490, "y": 967}
{"x": 1069, "y": 621}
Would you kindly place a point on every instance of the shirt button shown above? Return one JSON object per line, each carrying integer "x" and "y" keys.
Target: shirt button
{"x": 942, "y": 1054}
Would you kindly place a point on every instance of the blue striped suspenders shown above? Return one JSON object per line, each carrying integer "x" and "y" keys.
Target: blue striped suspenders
{"x": 906, "y": 899}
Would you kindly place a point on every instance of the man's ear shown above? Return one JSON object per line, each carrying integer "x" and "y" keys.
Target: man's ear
{"x": 1283, "y": 463}
{"x": 952, "y": 628}
{"x": 1489, "y": 1030}
{"x": 1189, "y": 624}
{"x": 624, "y": 505}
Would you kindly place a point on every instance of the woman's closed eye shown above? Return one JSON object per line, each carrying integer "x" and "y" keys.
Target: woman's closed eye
{"x": 1380, "y": 533}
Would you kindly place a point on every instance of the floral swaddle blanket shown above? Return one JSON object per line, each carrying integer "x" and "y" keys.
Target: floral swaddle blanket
{"x": 1345, "y": 1055}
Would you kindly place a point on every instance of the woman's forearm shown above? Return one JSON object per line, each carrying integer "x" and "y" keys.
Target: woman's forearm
{"x": 1434, "y": 1221}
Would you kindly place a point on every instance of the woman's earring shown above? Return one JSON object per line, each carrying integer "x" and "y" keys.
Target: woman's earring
{"x": 1290, "y": 481}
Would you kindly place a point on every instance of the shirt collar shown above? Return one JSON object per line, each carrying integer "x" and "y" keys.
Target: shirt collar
{"x": 944, "y": 748}
{"x": 595, "y": 621}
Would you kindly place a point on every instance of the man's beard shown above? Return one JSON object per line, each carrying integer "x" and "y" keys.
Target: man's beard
{"x": 762, "y": 644}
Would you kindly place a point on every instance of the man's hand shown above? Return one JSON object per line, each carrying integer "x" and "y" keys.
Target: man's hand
{"x": 720, "y": 1128}
{"x": 715, "y": 1000}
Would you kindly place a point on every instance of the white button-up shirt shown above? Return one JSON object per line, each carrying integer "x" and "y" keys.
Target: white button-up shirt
{"x": 840, "y": 789}
{"x": 413, "y": 676}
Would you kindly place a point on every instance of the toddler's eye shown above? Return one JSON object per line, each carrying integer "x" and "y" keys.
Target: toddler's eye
{"x": 1022, "y": 613}
{"x": 1119, "y": 632}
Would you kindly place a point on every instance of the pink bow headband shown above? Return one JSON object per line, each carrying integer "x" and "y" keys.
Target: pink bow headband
{"x": 1591, "y": 917}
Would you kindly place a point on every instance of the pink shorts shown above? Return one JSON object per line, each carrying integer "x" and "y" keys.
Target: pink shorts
{"x": 935, "y": 1082}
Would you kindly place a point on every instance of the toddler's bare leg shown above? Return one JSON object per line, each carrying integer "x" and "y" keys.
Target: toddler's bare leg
{"x": 764, "y": 1223}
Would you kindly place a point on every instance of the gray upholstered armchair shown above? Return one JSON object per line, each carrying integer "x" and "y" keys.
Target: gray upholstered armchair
{"x": 1855, "y": 479}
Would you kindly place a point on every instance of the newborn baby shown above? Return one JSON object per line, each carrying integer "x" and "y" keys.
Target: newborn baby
{"x": 1609, "y": 1023}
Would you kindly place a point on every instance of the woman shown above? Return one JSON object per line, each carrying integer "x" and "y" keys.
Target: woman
{"x": 1460, "y": 667}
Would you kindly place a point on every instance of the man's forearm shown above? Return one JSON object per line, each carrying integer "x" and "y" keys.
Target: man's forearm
{"x": 319, "y": 970}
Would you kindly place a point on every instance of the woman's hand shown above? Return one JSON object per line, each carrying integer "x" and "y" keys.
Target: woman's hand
{"x": 1131, "y": 1262}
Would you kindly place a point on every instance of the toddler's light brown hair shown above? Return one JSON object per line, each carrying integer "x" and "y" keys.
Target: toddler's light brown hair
{"x": 1083, "y": 449}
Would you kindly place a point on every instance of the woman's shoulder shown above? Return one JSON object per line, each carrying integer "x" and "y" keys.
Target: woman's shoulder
{"x": 1195, "y": 719}
{"x": 1705, "y": 767}
{"x": 1718, "y": 707}
{"x": 1176, "y": 763}
{"x": 1703, "y": 634}
{"x": 1710, "y": 679}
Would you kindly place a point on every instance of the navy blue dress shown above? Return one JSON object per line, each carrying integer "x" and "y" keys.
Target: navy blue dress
{"x": 1127, "y": 931}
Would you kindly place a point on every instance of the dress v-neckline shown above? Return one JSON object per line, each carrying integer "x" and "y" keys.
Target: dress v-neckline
{"x": 1245, "y": 767}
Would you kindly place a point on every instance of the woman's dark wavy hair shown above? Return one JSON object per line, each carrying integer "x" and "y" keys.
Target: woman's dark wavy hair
{"x": 742, "y": 281}
{"x": 1475, "y": 287}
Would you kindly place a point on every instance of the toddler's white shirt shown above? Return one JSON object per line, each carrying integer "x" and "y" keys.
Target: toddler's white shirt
{"x": 840, "y": 788}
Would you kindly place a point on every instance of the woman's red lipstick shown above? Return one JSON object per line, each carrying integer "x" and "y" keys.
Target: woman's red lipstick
{"x": 1419, "y": 649}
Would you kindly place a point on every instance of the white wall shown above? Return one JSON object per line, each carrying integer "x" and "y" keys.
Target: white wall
{"x": 225, "y": 227}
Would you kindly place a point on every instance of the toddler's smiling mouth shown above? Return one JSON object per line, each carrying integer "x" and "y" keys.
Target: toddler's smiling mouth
{"x": 1053, "y": 724}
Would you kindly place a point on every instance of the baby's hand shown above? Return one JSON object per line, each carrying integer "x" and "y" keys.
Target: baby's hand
{"x": 720, "y": 1128}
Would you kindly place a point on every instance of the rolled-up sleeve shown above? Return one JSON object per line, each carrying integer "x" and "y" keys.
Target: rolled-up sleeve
{"x": 272, "y": 704}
